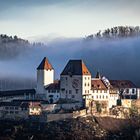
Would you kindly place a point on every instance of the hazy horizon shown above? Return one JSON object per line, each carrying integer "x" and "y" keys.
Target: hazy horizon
{"x": 76, "y": 18}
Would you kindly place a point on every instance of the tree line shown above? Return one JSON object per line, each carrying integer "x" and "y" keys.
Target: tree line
{"x": 12, "y": 46}
{"x": 117, "y": 32}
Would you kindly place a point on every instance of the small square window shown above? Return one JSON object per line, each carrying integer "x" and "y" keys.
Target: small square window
{"x": 76, "y": 91}
{"x": 73, "y": 96}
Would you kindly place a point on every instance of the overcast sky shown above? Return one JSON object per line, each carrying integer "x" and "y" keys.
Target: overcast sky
{"x": 68, "y": 18}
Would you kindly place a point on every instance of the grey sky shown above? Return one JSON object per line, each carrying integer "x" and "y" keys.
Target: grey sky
{"x": 70, "y": 18}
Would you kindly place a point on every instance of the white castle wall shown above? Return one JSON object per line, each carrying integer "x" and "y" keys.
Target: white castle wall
{"x": 44, "y": 78}
{"x": 86, "y": 84}
{"x": 70, "y": 89}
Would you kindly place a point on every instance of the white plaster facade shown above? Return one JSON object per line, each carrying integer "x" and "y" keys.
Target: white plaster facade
{"x": 44, "y": 78}
{"x": 138, "y": 93}
{"x": 71, "y": 87}
{"x": 52, "y": 96}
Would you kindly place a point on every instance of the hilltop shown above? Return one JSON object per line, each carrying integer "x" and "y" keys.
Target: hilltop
{"x": 12, "y": 46}
{"x": 98, "y": 128}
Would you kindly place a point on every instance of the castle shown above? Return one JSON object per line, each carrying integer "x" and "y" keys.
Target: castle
{"x": 77, "y": 85}
{"x": 75, "y": 90}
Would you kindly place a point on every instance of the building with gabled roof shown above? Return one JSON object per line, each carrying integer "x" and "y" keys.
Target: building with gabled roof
{"x": 53, "y": 92}
{"x": 76, "y": 87}
{"x": 75, "y": 81}
{"x": 45, "y": 76}
{"x": 127, "y": 89}
{"x": 24, "y": 94}
{"x": 99, "y": 91}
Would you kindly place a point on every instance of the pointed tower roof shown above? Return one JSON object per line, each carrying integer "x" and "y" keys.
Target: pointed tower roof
{"x": 45, "y": 64}
{"x": 75, "y": 67}
{"x": 98, "y": 75}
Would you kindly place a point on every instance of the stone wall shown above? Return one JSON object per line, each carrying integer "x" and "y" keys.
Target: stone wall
{"x": 63, "y": 116}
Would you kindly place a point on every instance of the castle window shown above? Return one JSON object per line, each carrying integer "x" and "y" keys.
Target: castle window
{"x": 106, "y": 97}
{"x": 85, "y": 91}
{"x": 85, "y": 78}
{"x": 16, "y": 108}
{"x": 11, "y": 112}
{"x": 97, "y": 96}
{"x": 88, "y": 84}
{"x": 69, "y": 91}
{"x": 6, "y": 108}
{"x": 127, "y": 90}
{"x": 73, "y": 96}
{"x": 11, "y": 108}
{"x": 103, "y": 96}
{"x": 16, "y": 112}
{"x": 85, "y": 84}
{"x": 133, "y": 90}
{"x": 76, "y": 91}
{"x": 88, "y": 78}
{"x": 66, "y": 78}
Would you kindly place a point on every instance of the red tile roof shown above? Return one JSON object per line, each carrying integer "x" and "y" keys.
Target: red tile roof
{"x": 45, "y": 64}
{"x": 122, "y": 84}
{"x": 98, "y": 84}
{"x": 54, "y": 86}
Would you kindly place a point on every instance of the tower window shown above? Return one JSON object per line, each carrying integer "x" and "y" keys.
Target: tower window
{"x": 69, "y": 91}
{"x": 76, "y": 91}
{"x": 73, "y": 96}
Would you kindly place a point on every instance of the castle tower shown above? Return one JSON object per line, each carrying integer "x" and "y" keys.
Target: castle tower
{"x": 45, "y": 75}
{"x": 75, "y": 81}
